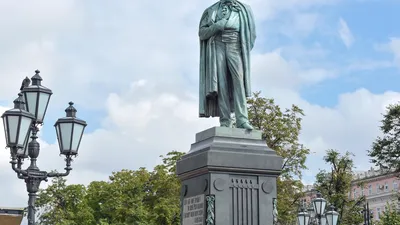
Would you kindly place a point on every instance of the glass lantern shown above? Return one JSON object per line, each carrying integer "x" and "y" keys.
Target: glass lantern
{"x": 17, "y": 123}
{"x": 37, "y": 98}
{"x": 69, "y": 131}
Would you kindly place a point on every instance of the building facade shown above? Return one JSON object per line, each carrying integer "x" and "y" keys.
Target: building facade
{"x": 309, "y": 194}
{"x": 378, "y": 187}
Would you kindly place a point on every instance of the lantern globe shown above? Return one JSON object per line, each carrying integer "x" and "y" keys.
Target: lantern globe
{"x": 332, "y": 216}
{"x": 37, "y": 98}
{"x": 23, "y": 152}
{"x": 323, "y": 220}
{"x": 69, "y": 131}
{"x": 319, "y": 204}
{"x": 17, "y": 123}
{"x": 303, "y": 218}
{"x": 311, "y": 211}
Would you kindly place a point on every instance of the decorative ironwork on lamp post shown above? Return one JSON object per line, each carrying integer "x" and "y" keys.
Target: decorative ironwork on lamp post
{"x": 316, "y": 215}
{"x": 367, "y": 215}
{"x": 23, "y": 121}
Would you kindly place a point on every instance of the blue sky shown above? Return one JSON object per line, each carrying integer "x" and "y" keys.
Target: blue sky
{"x": 131, "y": 67}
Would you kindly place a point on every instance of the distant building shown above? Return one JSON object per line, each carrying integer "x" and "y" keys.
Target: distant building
{"x": 379, "y": 188}
{"x": 309, "y": 194}
{"x": 11, "y": 216}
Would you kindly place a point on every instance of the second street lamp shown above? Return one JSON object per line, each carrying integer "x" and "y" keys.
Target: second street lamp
{"x": 319, "y": 207}
{"x": 20, "y": 123}
{"x": 303, "y": 217}
{"x": 316, "y": 213}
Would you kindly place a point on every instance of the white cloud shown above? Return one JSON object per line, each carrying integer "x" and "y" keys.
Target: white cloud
{"x": 139, "y": 83}
{"x": 368, "y": 64}
{"x": 274, "y": 70}
{"x": 299, "y": 25}
{"x": 345, "y": 33}
{"x": 269, "y": 9}
{"x": 394, "y": 46}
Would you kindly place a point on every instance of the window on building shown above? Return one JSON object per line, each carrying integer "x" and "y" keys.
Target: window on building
{"x": 386, "y": 187}
{"x": 395, "y": 185}
{"x": 355, "y": 193}
{"x": 370, "y": 190}
{"x": 377, "y": 189}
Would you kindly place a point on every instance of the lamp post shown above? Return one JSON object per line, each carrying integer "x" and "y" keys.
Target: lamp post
{"x": 316, "y": 213}
{"x": 367, "y": 214}
{"x": 23, "y": 122}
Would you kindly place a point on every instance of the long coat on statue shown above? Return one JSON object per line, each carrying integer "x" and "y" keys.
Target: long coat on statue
{"x": 208, "y": 66}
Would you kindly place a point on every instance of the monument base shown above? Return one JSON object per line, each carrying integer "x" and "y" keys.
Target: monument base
{"x": 228, "y": 178}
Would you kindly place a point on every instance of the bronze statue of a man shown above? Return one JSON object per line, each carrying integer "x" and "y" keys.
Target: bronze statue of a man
{"x": 227, "y": 34}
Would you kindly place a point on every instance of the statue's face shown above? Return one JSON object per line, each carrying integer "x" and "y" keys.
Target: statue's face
{"x": 225, "y": 10}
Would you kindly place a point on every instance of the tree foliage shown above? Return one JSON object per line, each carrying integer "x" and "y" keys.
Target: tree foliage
{"x": 62, "y": 204}
{"x": 390, "y": 216}
{"x": 281, "y": 130}
{"x": 335, "y": 186}
{"x": 385, "y": 150}
{"x": 130, "y": 197}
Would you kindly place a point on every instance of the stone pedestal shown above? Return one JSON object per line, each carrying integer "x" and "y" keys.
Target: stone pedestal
{"x": 228, "y": 178}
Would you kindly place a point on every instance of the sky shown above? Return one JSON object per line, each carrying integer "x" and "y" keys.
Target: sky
{"x": 131, "y": 67}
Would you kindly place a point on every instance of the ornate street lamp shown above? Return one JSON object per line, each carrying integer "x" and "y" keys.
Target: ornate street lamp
{"x": 303, "y": 217}
{"x": 332, "y": 216}
{"x": 319, "y": 205}
{"x": 19, "y": 124}
{"x": 316, "y": 213}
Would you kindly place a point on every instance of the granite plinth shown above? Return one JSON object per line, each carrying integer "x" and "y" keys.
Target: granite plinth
{"x": 236, "y": 168}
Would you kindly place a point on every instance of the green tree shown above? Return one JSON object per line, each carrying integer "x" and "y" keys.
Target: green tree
{"x": 335, "y": 186}
{"x": 124, "y": 197}
{"x": 385, "y": 151}
{"x": 61, "y": 204}
{"x": 281, "y": 130}
{"x": 390, "y": 216}
{"x": 129, "y": 197}
{"x": 164, "y": 191}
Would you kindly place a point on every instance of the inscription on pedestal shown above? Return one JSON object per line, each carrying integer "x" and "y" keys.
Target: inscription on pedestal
{"x": 193, "y": 210}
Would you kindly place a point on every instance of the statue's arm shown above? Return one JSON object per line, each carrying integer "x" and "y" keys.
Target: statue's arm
{"x": 207, "y": 29}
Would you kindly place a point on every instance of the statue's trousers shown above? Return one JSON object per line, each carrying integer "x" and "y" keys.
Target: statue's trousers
{"x": 230, "y": 78}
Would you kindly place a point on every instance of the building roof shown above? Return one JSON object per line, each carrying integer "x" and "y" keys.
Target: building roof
{"x": 11, "y": 216}
{"x": 372, "y": 173}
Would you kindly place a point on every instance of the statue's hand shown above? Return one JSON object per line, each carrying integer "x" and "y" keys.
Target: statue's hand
{"x": 221, "y": 24}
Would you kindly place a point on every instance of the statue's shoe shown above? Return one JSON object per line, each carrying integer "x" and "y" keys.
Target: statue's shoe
{"x": 246, "y": 126}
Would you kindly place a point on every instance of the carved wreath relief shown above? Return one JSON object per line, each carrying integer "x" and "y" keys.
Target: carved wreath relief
{"x": 210, "y": 220}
